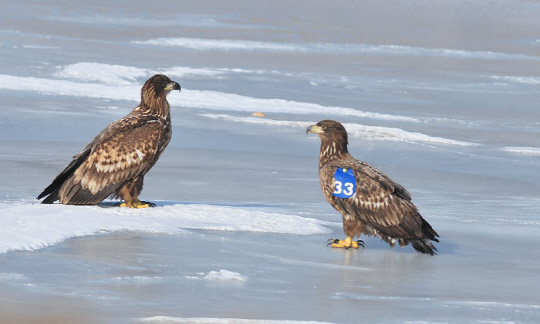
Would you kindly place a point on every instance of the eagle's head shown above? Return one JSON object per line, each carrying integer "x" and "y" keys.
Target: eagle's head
{"x": 156, "y": 89}
{"x": 333, "y": 136}
{"x": 161, "y": 85}
{"x": 329, "y": 130}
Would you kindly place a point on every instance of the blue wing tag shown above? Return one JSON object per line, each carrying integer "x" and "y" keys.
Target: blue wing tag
{"x": 345, "y": 183}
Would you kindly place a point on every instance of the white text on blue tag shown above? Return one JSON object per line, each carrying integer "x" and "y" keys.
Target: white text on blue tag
{"x": 345, "y": 183}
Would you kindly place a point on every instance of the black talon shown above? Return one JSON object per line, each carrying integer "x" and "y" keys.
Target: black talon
{"x": 360, "y": 243}
{"x": 332, "y": 241}
{"x": 151, "y": 204}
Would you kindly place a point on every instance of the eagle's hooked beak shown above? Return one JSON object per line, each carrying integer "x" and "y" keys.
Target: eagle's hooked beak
{"x": 173, "y": 86}
{"x": 314, "y": 129}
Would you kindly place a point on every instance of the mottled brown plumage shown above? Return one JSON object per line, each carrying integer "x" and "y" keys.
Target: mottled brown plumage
{"x": 379, "y": 206}
{"x": 115, "y": 161}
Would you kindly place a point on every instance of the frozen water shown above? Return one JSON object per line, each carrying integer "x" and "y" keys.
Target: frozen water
{"x": 442, "y": 96}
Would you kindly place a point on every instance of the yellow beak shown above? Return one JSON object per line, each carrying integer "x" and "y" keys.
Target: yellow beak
{"x": 172, "y": 86}
{"x": 314, "y": 129}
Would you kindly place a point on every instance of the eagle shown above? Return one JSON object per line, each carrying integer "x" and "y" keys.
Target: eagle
{"x": 369, "y": 201}
{"x": 115, "y": 162}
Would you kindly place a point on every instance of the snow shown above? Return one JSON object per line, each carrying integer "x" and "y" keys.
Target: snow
{"x": 123, "y": 90}
{"x": 441, "y": 96}
{"x": 117, "y": 82}
{"x": 354, "y": 130}
{"x": 523, "y": 150}
{"x": 328, "y": 48}
{"x": 224, "y": 275}
{"x": 21, "y": 231}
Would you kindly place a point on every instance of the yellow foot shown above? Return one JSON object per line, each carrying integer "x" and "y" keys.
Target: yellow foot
{"x": 347, "y": 243}
{"x": 138, "y": 204}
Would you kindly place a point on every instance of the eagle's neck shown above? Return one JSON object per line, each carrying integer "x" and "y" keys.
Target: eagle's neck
{"x": 156, "y": 106}
{"x": 331, "y": 149}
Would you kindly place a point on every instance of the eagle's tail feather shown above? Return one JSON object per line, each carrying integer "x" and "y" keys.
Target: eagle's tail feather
{"x": 76, "y": 195}
{"x": 428, "y": 231}
{"x": 51, "y": 198}
{"x": 53, "y": 189}
{"x": 424, "y": 245}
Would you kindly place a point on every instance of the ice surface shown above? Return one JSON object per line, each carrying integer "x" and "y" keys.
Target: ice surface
{"x": 442, "y": 96}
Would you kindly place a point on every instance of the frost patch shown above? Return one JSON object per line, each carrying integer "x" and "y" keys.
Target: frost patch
{"x": 523, "y": 150}
{"x": 221, "y": 275}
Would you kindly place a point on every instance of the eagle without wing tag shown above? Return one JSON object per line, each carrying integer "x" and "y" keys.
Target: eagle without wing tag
{"x": 345, "y": 183}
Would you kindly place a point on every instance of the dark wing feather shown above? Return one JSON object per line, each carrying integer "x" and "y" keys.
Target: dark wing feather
{"x": 124, "y": 151}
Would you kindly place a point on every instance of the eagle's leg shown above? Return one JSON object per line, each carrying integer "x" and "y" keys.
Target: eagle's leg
{"x": 347, "y": 243}
{"x": 352, "y": 227}
{"x": 136, "y": 203}
{"x": 129, "y": 193}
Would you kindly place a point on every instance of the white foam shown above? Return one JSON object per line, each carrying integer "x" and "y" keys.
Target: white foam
{"x": 202, "y": 44}
{"x": 206, "y": 320}
{"x": 523, "y": 150}
{"x": 30, "y": 225}
{"x": 354, "y": 130}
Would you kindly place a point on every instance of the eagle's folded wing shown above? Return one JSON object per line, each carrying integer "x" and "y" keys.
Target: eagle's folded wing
{"x": 122, "y": 151}
{"x": 378, "y": 201}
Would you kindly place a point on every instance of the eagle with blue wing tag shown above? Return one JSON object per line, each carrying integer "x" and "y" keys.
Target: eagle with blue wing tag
{"x": 370, "y": 202}
{"x": 345, "y": 183}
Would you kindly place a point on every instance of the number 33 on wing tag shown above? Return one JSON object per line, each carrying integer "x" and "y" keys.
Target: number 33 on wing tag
{"x": 345, "y": 183}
